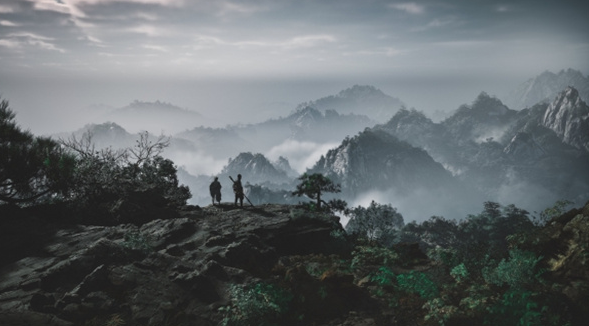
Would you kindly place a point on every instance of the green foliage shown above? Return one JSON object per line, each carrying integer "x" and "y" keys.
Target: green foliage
{"x": 439, "y": 311}
{"x": 258, "y": 304}
{"x": 419, "y": 283}
{"x": 516, "y": 307}
{"x": 376, "y": 222}
{"x": 517, "y": 272}
{"x": 459, "y": 273}
{"x": 373, "y": 255}
{"x": 31, "y": 168}
{"x": 383, "y": 277}
{"x": 549, "y": 213}
{"x": 314, "y": 185}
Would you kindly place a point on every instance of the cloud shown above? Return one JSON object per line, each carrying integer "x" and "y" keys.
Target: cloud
{"x": 298, "y": 42}
{"x": 5, "y": 9}
{"x": 503, "y": 8}
{"x": 149, "y": 30}
{"x": 409, "y": 7}
{"x": 228, "y": 7}
{"x": 18, "y": 40}
{"x": 8, "y": 23}
{"x": 11, "y": 44}
{"x": 308, "y": 41}
{"x": 300, "y": 155}
{"x": 196, "y": 163}
{"x": 387, "y": 52}
{"x": 155, "y": 47}
{"x": 437, "y": 23}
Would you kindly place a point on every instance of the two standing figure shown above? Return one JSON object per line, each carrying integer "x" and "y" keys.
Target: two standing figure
{"x": 215, "y": 190}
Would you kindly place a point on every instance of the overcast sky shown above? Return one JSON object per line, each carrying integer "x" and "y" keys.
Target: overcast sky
{"x": 65, "y": 54}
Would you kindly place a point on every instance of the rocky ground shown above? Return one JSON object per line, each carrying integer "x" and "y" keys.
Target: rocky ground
{"x": 166, "y": 272}
{"x": 187, "y": 269}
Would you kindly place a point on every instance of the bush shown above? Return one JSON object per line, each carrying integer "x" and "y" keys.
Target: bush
{"x": 365, "y": 256}
{"x": 106, "y": 180}
{"x": 259, "y": 304}
{"x": 376, "y": 222}
{"x": 418, "y": 283}
{"x": 516, "y": 307}
{"x": 517, "y": 272}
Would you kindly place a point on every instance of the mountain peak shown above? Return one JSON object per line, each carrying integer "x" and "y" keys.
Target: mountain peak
{"x": 359, "y": 91}
{"x": 359, "y": 99}
{"x": 568, "y": 116}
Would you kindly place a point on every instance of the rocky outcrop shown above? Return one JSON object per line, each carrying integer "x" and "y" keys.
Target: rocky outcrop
{"x": 169, "y": 271}
{"x": 524, "y": 147}
{"x": 564, "y": 246}
{"x": 568, "y": 116}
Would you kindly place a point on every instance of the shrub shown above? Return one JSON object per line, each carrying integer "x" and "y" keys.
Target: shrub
{"x": 258, "y": 304}
{"x": 517, "y": 272}
{"x": 104, "y": 179}
{"x": 373, "y": 255}
{"x": 375, "y": 222}
{"x": 418, "y": 283}
{"x": 516, "y": 307}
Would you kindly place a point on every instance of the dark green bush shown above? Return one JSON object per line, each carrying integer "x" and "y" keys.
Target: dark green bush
{"x": 418, "y": 283}
{"x": 261, "y": 304}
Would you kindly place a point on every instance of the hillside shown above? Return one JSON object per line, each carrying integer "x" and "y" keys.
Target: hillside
{"x": 528, "y": 157}
{"x": 282, "y": 264}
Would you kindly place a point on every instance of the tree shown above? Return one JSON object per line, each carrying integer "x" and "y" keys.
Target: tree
{"x": 107, "y": 176}
{"x": 375, "y": 221}
{"x": 314, "y": 185}
{"x": 30, "y": 167}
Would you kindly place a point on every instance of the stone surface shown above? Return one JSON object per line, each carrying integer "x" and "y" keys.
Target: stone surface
{"x": 167, "y": 271}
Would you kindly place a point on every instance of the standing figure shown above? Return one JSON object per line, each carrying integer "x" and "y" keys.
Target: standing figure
{"x": 238, "y": 190}
{"x": 215, "y": 189}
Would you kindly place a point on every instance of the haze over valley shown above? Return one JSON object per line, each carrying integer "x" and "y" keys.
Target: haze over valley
{"x": 379, "y": 149}
{"x": 432, "y": 106}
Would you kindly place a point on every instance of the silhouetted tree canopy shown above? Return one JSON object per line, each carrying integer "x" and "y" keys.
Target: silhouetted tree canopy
{"x": 31, "y": 167}
{"x": 314, "y": 185}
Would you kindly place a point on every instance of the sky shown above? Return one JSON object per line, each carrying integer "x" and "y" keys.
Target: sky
{"x": 246, "y": 61}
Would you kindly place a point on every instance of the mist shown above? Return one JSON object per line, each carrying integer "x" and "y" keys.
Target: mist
{"x": 68, "y": 102}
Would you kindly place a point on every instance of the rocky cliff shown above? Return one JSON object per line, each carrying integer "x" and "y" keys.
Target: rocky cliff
{"x": 568, "y": 117}
{"x": 176, "y": 271}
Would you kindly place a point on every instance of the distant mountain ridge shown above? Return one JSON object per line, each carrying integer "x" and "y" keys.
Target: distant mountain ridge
{"x": 500, "y": 151}
{"x": 545, "y": 87}
{"x": 155, "y": 117}
{"x": 361, "y": 100}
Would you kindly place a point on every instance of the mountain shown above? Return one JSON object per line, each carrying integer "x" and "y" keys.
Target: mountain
{"x": 363, "y": 100}
{"x": 304, "y": 124}
{"x": 568, "y": 117}
{"x": 102, "y": 135}
{"x": 484, "y": 118}
{"x": 155, "y": 117}
{"x": 545, "y": 87}
{"x": 218, "y": 142}
{"x": 529, "y": 157}
{"x": 255, "y": 169}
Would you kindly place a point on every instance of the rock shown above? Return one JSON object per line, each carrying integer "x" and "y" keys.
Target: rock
{"x": 568, "y": 116}
{"x": 166, "y": 271}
